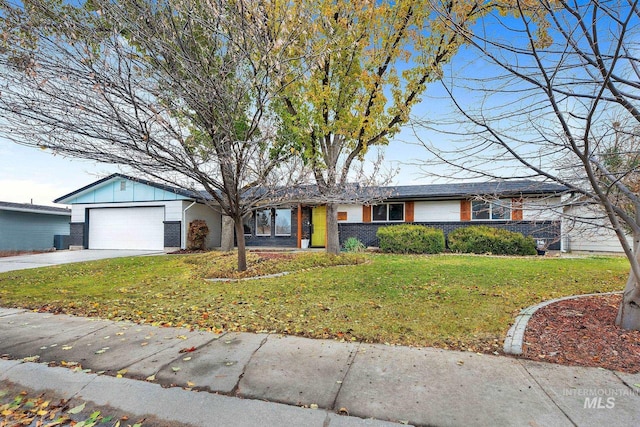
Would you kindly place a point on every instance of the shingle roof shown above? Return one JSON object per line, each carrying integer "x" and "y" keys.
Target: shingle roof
{"x": 27, "y": 207}
{"x": 498, "y": 189}
{"x": 400, "y": 192}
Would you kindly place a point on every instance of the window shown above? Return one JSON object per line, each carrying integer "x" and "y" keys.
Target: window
{"x": 388, "y": 212}
{"x": 268, "y": 220}
{"x": 263, "y": 222}
{"x": 498, "y": 210}
{"x": 283, "y": 222}
{"x": 247, "y": 224}
{"x": 123, "y": 185}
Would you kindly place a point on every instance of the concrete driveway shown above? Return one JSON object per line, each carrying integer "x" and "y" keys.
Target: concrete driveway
{"x": 22, "y": 262}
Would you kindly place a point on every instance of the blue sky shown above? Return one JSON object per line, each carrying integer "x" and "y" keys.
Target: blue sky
{"x": 28, "y": 174}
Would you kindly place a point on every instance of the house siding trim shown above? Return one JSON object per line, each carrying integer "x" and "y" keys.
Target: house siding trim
{"x": 465, "y": 210}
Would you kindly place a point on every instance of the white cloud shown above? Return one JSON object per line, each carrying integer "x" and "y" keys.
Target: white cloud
{"x": 28, "y": 191}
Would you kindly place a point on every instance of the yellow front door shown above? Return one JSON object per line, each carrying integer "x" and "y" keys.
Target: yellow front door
{"x": 319, "y": 222}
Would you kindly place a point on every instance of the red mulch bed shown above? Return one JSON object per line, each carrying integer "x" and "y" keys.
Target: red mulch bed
{"x": 582, "y": 332}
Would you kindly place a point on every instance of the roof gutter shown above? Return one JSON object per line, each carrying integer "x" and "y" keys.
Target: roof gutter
{"x": 37, "y": 211}
{"x": 184, "y": 226}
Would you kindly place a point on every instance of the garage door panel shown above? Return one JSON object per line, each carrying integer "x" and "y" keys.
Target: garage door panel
{"x": 126, "y": 228}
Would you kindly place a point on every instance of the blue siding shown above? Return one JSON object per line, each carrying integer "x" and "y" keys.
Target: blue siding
{"x": 24, "y": 231}
{"x": 114, "y": 191}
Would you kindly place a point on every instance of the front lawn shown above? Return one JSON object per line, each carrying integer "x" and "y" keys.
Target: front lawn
{"x": 449, "y": 301}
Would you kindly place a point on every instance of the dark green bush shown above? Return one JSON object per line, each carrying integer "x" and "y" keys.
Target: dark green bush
{"x": 482, "y": 239}
{"x": 408, "y": 238}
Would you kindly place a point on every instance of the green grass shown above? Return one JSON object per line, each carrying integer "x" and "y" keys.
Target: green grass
{"x": 449, "y": 301}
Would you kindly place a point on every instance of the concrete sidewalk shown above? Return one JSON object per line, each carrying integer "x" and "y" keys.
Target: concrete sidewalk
{"x": 239, "y": 379}
{"x": 47, "y": 259}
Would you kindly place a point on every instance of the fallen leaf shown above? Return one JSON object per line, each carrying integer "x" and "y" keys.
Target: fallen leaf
{"x": 151, "y": 378}
{"x": 175, "y": 368}
{"x": 182, "y": 337}
{"x": 77, "y": 409}
{"x": 186, "y": 359}
{"x": 188, "y": 350}
{"x": 67, "y": 347}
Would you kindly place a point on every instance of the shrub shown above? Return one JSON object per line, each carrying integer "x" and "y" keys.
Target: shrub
{"x": 484, "y": 239}
{"x": 197, "y": 234}
{"x": 352, "y": 244}
{"x": 408, "y": 238}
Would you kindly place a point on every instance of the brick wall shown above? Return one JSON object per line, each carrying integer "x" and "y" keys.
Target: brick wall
{"x": 547, "y": 230}
{"x": 172, "y": 234}
{"x": 76, "y": 237}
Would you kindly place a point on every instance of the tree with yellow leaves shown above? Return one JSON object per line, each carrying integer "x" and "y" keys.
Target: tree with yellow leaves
{"x": 364, "y": 65}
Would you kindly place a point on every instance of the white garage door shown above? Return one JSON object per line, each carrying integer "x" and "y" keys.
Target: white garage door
{"x": 126, "y": 228}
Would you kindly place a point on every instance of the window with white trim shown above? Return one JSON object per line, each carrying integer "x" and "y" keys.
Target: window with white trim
{"x": 267, "y": 221}
{"x": 388, "y": 212}
{"x": 497, "y": 210}
{"x": 283, "y": 222}
{"x": 263, "y": 222}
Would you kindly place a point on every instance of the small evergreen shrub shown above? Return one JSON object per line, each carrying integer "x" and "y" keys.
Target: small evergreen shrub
{"x": 197, "y": 234}
{"x": 352, "y": 244}
{"x": 483, "y": 239}
{"x": 409, "y": 238}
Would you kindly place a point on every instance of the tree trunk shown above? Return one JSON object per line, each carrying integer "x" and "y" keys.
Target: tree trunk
{"x": 333, "y": 238}
{"x": 227, "y": 238}
{"x": 629, "y": 310}
{"x": 242, "y": 250}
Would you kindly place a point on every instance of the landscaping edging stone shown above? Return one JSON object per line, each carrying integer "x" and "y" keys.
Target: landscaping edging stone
{"x": 515, "y": 337}
{"x": 268, "y": 276}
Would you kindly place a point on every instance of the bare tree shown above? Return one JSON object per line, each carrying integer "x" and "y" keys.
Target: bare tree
{"x": 556, "y": 88}
{"x": 173, "y": 89}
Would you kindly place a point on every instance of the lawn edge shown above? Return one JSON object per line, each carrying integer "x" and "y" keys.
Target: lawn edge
{"x": 515, "y": 336}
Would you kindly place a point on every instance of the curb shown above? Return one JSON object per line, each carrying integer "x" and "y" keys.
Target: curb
{"x": 170, "y": 405}
{"x": 515, "y": 337}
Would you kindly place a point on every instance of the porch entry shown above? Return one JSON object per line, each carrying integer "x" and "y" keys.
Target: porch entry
{"x": 319, "y": 222}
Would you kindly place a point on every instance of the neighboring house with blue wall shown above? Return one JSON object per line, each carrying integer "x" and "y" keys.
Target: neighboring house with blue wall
{"x": 28, "y": 227}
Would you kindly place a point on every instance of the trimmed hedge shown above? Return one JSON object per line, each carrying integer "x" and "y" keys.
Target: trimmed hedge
{"x": 481, "y": 239}
{"x": 408, "y": 238}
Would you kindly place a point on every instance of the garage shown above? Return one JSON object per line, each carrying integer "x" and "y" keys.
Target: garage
{"x": 127, "y": 228}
